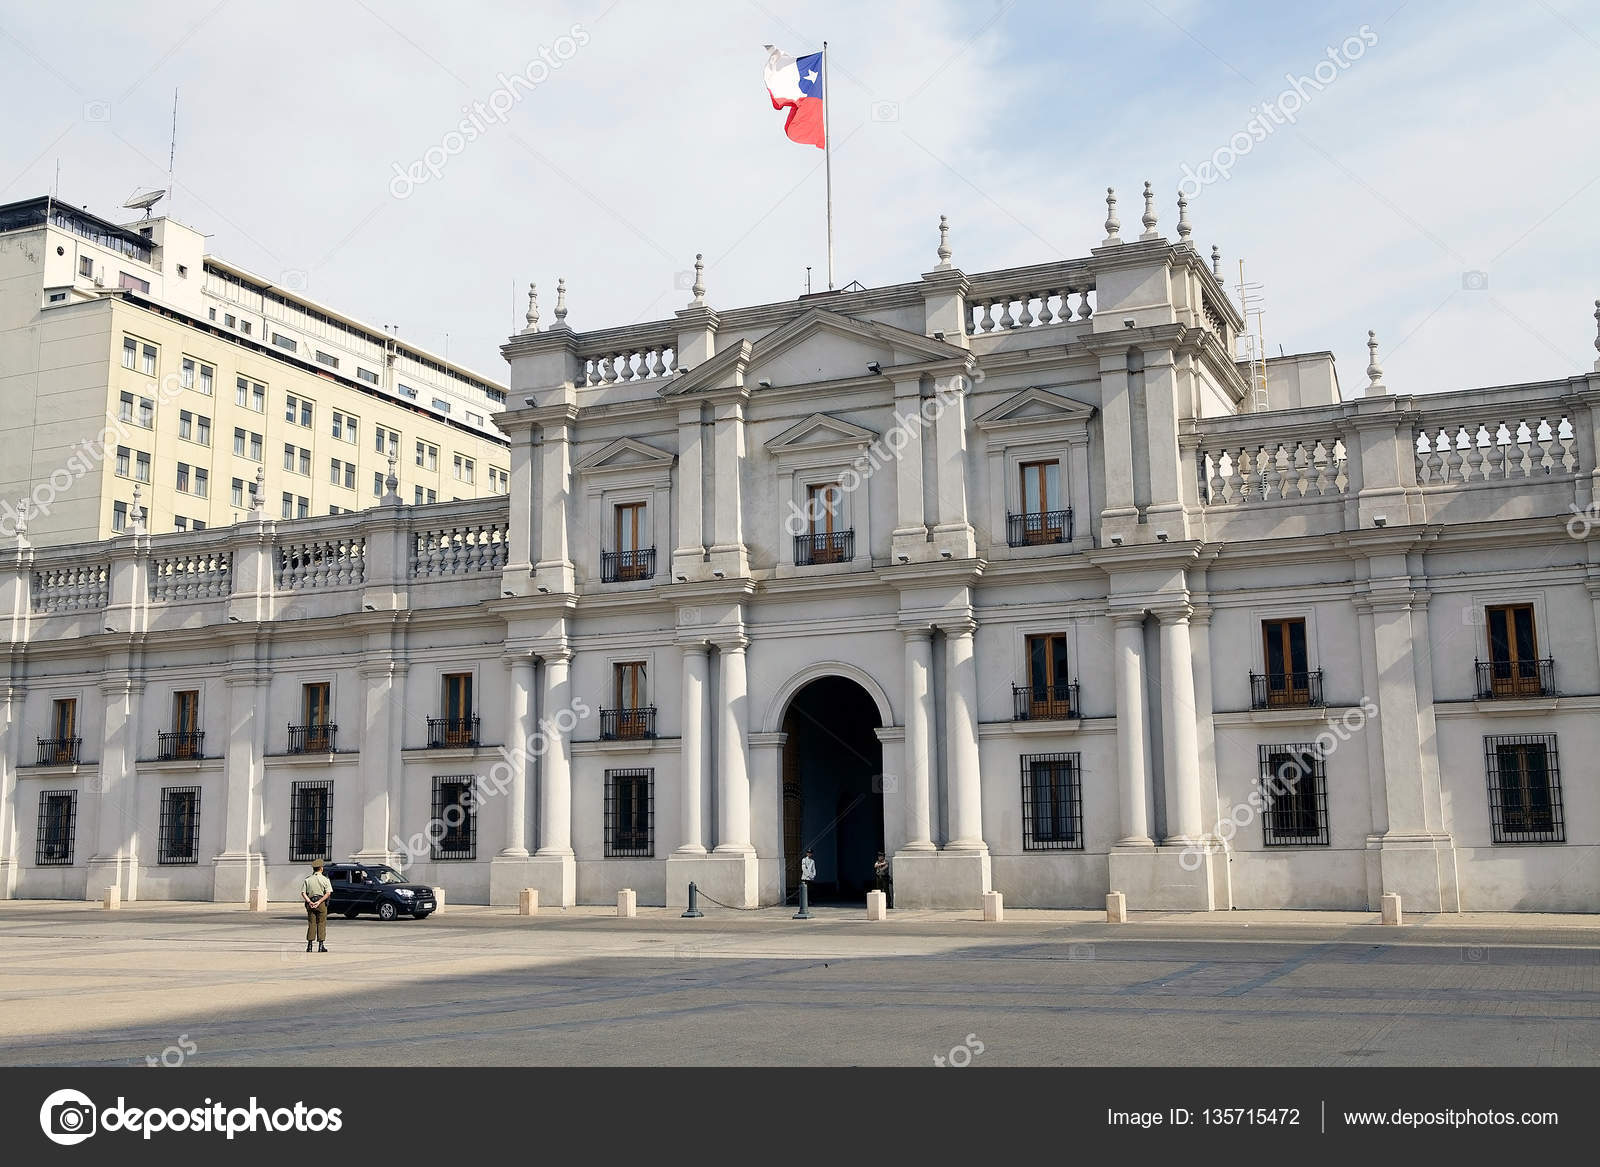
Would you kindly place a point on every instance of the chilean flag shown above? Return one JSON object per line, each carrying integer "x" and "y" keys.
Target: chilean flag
{"x": 797, "y": 85}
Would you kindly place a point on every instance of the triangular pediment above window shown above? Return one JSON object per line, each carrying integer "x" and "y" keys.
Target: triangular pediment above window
{"x": 627, "y": 454}
{"x": 1035, "y": 406}
{"x": 820, "y": 431}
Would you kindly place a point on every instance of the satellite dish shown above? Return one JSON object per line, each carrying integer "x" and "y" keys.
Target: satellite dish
{"x": 143, "y": 202}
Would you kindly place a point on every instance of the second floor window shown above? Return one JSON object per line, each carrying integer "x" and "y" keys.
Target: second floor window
{"x": 1514, "y": 665}
{"x": 1043, "y": 519}
{"x": 828, "y": 540}
{"x": 64, "y": 719}
{"x": 632, "y": 717}
{"x": 250, "y": 394}
{"x": 1049, "y": 689}
{"x": 1287, "y": 680}
{"x": 317, "y": 704}
{"x": 458, "y": 697}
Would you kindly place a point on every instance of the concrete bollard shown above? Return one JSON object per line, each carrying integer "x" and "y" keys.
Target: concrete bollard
{"x": 113, "y": 898}
{"x": 627, "y": 904}
{"x": 1391, "y": 908}
{"x": 1116, "y": 908}
{"x": 258, "y": 899}
{"x": 877, "y": 905}
{"x": 528, "y": 902}
{"x": 994, "y": 907}
{"x": 438, "y": 899}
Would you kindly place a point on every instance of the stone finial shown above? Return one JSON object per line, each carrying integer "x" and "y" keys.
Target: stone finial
{"x": 391, "y": 486}
{"x": 1375, "y": 385}
{"x": 561, "y": 302}
{"x": 21, "y": 527}
{"x": 1185, "y": 229}
{"x": 699, "y": 286}
{"x": 944, "y": 242}
{"x": 1597, "y": 333}
{"x": 1216, "y": 261}
{"x": 137, "y": 514}
{"x": 1113, "y": 224}
{"x": 1149, "y": 216}
{"x": 258, "y": 492}
{"x": 532, "y": 315}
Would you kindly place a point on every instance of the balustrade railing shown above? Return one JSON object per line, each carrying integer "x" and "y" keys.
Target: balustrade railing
{"x": 1006, "y": 310}
{"x": 322, "y": 563}
{"x": 1257, "y": 471}
{"x": 464, "y": 549}
{"x": 197, "y": 575}
{"x": 79, "y": 588}
{"x": 635, "y": 362}
{"x": 1495, "y": 445}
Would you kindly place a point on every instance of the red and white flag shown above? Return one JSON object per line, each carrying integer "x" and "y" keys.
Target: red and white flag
{"x": 795, "y": 84}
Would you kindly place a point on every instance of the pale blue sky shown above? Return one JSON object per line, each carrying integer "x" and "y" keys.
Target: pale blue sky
{"x": 1464, "y": 140}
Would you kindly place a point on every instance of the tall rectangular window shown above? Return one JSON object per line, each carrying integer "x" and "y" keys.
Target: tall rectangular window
{"x": 457, "y": 696}
{"x": 186, "y": 711}
{"x": 58, "y": 828}
{"x": 631, "y": 528}
{"x": 630, "y": 684}
{"x": 208, "y": 377}
{"x": 64, "y": 719}
{"x": 255, "y": 447}
{"x": 1052, "y": 803}
{"x": 130, "y": 353}
{"x": 141, "y": 466}
{"x": 1041, "y": 487}
{"x": 125, "y": 407}
{"x": 1524, "y": 789}
{"x": 202, "y": 482}
{"x": 630, "y": 814}
{"x": 119, "y": 516}
{"x": 455, "y": 810}
{"x": 236, "y": 494}
{"x": 186, "y": 373}
{"x": 124, "y": 461}
{"x": 316, "y": 699}
{"x": 185, "y": 424}
{"x": 1288, "y": 678}
{"x": 202, "y": 429}
{"x": 147, "y": 357}
{"x": 1049, "y": 686}
{"x": 1513, "y": 651}
{"x": 179, "y": 840}
{"x": 238, "y": 441}
{"x": 310, "y": 821}
{"x": 182, "y": 483}
{"x": 1294, "y": 796}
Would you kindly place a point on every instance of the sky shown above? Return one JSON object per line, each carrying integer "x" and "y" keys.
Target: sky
{"x": 1437, "y": 181}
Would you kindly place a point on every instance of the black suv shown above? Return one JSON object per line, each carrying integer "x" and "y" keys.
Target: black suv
{"x": 372, "y": 887}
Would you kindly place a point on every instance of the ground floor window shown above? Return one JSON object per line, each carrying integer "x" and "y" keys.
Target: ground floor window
{"x": 1524, "y": 789}
{"x": 1052, "y": 803}
{"x": 630, "y": 814}
{"x": 310, "y": 821}
{"x": 179, "y": 841}
{"x": 455, "y": 812}
{"x": 58, "y": 825}
{"x": 1294, "y": 796}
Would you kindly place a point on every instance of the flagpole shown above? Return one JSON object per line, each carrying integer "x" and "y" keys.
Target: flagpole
{"x": 827, "y": 155}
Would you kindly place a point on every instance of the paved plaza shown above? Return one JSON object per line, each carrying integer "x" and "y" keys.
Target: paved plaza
{"x": 213, "y": 985}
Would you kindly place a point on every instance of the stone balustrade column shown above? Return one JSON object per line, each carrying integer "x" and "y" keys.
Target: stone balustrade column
{"x": 961, "y": 739}
{"x": 1131, "y": 763}
{"x": 1180, "y": 730}
{"x": 919, "y": 752}
{"x": 695, "y": 758}
{"x": 555, "y": 764}
{"x": 519, "y": 737}
{"x": 733, "y": 755}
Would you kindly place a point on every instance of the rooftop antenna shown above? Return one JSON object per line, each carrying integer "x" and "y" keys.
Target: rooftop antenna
{"x": 1253, "y": 341}
{"x": 808, "y": 279}
{"x": 172, "y": 150}
{"x": 143, "y": 202}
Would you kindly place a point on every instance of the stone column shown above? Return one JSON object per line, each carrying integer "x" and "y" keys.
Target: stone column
{"x": 911, "y": 528}
{"x": 733, "y": 759}
{"x": 1180, "y": 733}
{"x": 693, "y": 755}
{"x": 555, "y": 766}
{"x": 728, "y": 552}
{"x": 554, "y": 570}
{"x": 12, "y": 700}
{"x": 952, "y": 531}
{"x": 235, "y": 871}
{"x": 378, "y": 811}
{"x": 1119, "y": 514}
{"x": 1135, "y": 806}
{"x": 519, "y": 733}
{"x": 688, "y": 556}
{"x": 919, "y": 754}
{"x": 1162, "y": 412}
{"x": 117, "y": 811}
{"x": 961, "y": 739}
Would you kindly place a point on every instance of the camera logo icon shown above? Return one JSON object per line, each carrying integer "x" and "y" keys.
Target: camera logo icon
{"x": 294, "y": 280}
{"x": 97, "y": 111}
{"x": 1475, "y": 954}
{"x": 886, "y": 111}
{"x": 67, "y": 1117}
{"x": 683, "y": 281}
{"x": 885, "y": 784}
{"x": 1474, "y": 281}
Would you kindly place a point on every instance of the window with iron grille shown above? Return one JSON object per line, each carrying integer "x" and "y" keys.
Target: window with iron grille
{"x": 455, "y": 809}
{"x": 179, "y": 842}
{"x": 1524, "y": 788}
{"x": 1294, "y": 796}
{"x": 1052, "y": 803}
{"x": 310, "y": 820}
{"x": 630, "y": 814}
{"x": 58, "y": 825}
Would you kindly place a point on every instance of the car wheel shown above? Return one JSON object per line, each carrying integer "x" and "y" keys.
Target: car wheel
{"x": 352, "y": 913}
{"x": 387, "y": 911}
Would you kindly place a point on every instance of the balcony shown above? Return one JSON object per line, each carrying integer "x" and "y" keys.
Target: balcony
{"x": 172, "y": 747}
{"x": 625, "y": 566}
{"x": 622, "y": 725}
{"x": 825, "y": 547}
{"x": 452, "y": 733}
{"x": 1286, "y": 690}
{"x": 1500, "y": 680}
{"x": 1057, "y": 702}
{"x": 59, "y": 751}
{"x": 312, "y": 739}
{"x": 1037, "y": 528}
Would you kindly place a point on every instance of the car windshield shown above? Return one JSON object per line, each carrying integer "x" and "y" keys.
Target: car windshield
{"x": 387, "y": 875}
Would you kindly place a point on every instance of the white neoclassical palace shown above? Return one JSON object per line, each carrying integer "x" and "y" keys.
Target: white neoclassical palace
{"x": 1019, "y": 576}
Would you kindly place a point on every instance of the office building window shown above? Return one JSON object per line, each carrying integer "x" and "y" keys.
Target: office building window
{"x": 119, "y": 516}
{"x": 147, "y": 356}
{"x": 130, "y": 353}
{"x": 236, "y": 492}
{"x": 367, "y": 375}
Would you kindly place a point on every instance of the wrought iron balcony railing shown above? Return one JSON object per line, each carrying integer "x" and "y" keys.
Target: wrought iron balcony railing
{"x": 59, "y": 751}
{"x": 312, "y": 739}
{"x": 1056, "y": 702}
{"x": 446, "y": 733}
{"x": 1499, "y": 679}
{"x": 1301, "y": 690}
{"x": 623, "y": 566}
{"x": 1039, "y": 527}
{"x": 825, "y": 547}
{"x": 628, "y": 724}
{"x": 171, "y": 747}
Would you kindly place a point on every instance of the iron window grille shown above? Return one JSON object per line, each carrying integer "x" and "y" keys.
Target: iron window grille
{"x": 630, "y": 814}
{"x": 182, "y": 744}
{"x": 59, "y": 751}
{"x": 455, "y": 809}
{"x": 1302, "y": 690}
{"x": 452, "y": 732}
{"x": 1524, "y": 789}
{"x": 1516, "y": 678}
{"x": 1045, "y": 701}
{"x": 316, "y": 738}
{"x": 58, "y": 828}
{"x": 310, "y": 820}
{"x": 179, "y": 841}
{"x": 825, "y": 547}
{"x": 1035, "y": 528}
{"x": 628, "y": 724}
{"x": 623, "y": 566}
{"x": 1052, "y": 802}
{"x": 1294, "y": 796}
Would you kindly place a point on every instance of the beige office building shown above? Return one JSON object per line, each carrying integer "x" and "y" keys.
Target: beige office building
{"x": 136, "y": 371}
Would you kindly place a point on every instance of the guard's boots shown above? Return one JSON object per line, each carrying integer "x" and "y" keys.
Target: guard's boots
{"x": 308, "y": 946}
{"x": 322, "y": 948}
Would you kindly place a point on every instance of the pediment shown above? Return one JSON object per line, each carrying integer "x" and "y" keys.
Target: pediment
{"x": 820, "y": 431}
{"x": 1035, "y": 406}
{"x": 627, "y": 454}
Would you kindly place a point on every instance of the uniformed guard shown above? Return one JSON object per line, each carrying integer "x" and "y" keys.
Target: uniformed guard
{"x": 315, "y": 892}
{"x": 808, "y": 867}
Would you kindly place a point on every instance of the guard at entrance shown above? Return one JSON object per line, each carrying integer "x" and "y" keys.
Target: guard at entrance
{"x": 883, "y": 878}
{"x": 808, "y": 868}
{"x": 316, "y": 892}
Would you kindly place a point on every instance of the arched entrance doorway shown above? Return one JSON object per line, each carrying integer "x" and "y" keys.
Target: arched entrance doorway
{"x": 832, "y": 789}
